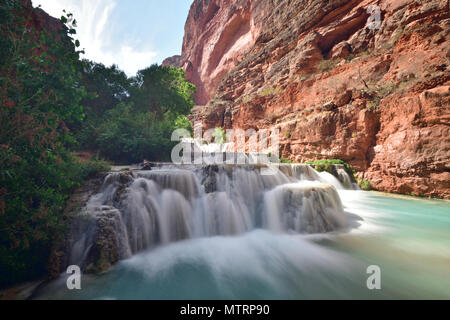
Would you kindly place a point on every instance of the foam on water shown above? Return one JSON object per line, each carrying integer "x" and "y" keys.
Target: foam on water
{"x": 197, "y": 245}
{"x": 170, "y": 204}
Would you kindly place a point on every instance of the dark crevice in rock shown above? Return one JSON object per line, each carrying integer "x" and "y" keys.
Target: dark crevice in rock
{"x": 343, "y": 31}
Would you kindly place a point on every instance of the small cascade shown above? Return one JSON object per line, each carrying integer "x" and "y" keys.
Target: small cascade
{"x": 139, "y": 210}
{"x": 300, "y": 172}
{"x": 183, "y": 181}
{"x": 304, "y": 207}
{"x": 345, "y": 178}
{"x": 99, "y": 233}
{"x": 328, "y": 178}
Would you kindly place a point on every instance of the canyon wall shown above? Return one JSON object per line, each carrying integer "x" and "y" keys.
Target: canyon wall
{"x": 362, "y": 81}
{"x": 41, "y": 19}
{"x": 174, "y": 61}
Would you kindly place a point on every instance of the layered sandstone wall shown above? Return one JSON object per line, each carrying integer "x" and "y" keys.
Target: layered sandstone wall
{"x": 218, "y": 34}
{"x": 336, "y": 88}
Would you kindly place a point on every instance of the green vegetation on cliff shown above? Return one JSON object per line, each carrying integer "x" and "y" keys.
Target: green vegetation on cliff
{"x": 325, "y": 165}
{"x": 40, "y": 94}
{"x": 52, "y": 103}
{"x": 364, "y": 184}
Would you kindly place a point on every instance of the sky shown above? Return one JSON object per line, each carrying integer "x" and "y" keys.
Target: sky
{"x": 130, "y": 33}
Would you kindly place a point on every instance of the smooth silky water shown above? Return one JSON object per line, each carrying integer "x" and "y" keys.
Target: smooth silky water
{"x": 247, "y": 241}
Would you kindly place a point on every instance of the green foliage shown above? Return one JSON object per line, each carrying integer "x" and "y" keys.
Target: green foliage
{"x": 90, "y": 169}
{"x": 325, "y": 165}
{"x": 128, "y": 135}
{"x": 372, "y": 105}
{"x": 378, "y": 93}
{"x": 361, "y": 55}
{"x": 268, "y": 91}
{"x": 50, "y": 103}
{"x": 140, "y": 127}
{"x": 364, "y": 184}
{"x": 106, "y": 88}
{"x": 386, "y": 89}
{"x": 129, "y": 119}
{"x": 162, "y": 91}
{"x": 40, "y": 96}
{"x": 219, "y": 135}
{"x": 182, "y": 122}
{"x": 284, "y": 160}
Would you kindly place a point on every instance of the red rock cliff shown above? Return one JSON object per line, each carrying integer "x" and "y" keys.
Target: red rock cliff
{"x": 41, "y": 18}
{"x": 174, "y": 61}
{"x": 377, "y": 98}
{"x": 218, "y": 33}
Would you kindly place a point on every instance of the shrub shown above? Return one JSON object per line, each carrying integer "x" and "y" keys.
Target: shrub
{"x": 325, "y": 165}
{"x": 219, "y": 135}
{"x": 88, "y": 170}
{"x": 284, "y": 160}
{"x": 372, "y": 105}
{"x": 141, "y": 127}
{"x": 130, "y": 136}
{"x": 327, "y": 65}
{"x": 32, "y": 199}
{"x": 364, "y": 184}
{"x": 270, "y": 91}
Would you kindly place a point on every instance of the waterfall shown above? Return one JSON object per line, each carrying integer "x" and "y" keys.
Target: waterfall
{"x": 345, "y": 178}
{"x": 139, "y": 210}
{"x": 303, "y": 207}
{"x": 328, "y": 178}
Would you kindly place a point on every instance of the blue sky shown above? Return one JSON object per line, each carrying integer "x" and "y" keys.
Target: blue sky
{"x": 130, "y": 33}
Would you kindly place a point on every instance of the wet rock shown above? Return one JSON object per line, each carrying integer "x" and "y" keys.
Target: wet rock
{"x": 146, "y": 165}
{"x": 59, "y": 256}
{"x": 92, "y": 223}
{"x": 110, "y": 242}
{"x": 210, "y": 178}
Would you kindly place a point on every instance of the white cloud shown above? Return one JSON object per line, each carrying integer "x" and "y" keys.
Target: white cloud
{"x": 94, "y": 32}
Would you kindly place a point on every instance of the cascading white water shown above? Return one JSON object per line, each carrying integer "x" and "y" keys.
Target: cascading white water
{"x": 170, "y": 204}
{"x": 407, "y": 237}
{"x": 345, "y": 179}
{"x": 213, "y": 207}
{"x": 328, "y": 178}
{"x": 303, "y": 207}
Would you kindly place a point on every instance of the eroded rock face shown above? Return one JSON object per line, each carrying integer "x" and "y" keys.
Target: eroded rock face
{"x": 59, "y": 257}
{"x": 376, "y": 98}
{"x": 96, "y": 239}
{"x": 218, "y": 34}
{"x": 174, "y": 61}
{"x": 412, "y": 148}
